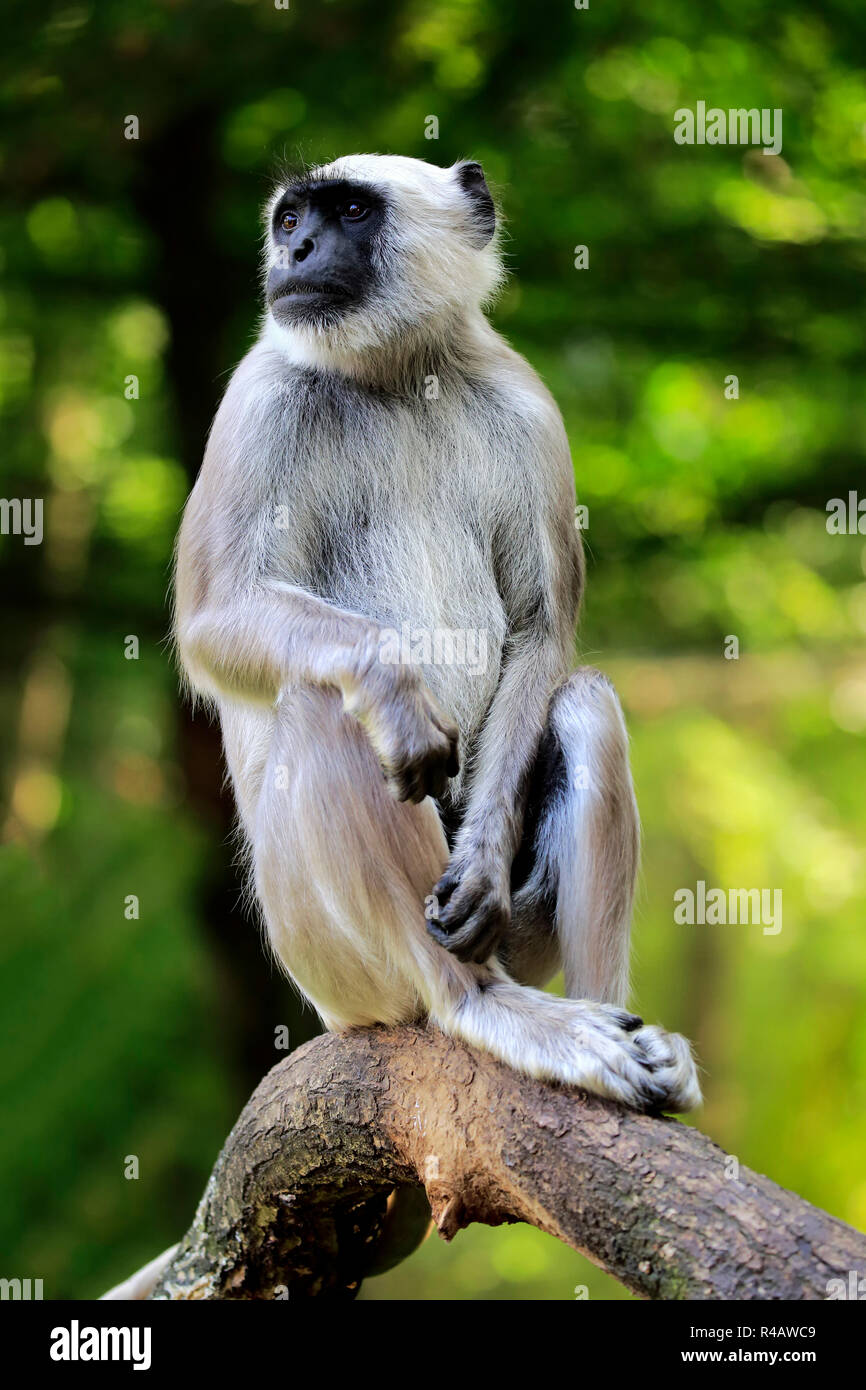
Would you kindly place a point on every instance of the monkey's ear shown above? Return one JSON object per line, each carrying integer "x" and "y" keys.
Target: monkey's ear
{"x": 470, "y": 176}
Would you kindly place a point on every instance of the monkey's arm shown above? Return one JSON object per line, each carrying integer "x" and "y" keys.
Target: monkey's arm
{"x": 247, "y": 642}
{"x": 541, "y": 579}
{"x": 241, "y": 632}
{"x": 248, "y": 646}
{"x": 474, "y": 894}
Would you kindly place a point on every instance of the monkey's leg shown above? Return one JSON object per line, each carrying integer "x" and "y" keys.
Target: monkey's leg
{"x": 342, "y": 872}
{"x": 341, "y": 867}
{"x": 574, "y": 876}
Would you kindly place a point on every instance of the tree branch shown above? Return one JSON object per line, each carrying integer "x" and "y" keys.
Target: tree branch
{"x": 296, "y": 1204}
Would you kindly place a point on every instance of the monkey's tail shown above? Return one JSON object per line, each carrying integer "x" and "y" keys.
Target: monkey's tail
{"x": 141, "y": 1285}
{"x": 407, "y": 1224}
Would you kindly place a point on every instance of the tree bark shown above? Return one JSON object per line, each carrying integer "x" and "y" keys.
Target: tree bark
{"x": 296, "y": 1204}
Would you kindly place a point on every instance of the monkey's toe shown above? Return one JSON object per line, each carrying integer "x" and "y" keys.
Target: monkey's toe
{"x": 667, "y": 1059}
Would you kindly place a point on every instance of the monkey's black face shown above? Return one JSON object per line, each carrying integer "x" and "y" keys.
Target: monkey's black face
{"x": 324, "y": 236}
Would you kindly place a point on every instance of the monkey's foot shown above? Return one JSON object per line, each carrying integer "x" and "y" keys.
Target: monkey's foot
{"x": 667, "y": 1058}
{"x": 612, "y": 1053}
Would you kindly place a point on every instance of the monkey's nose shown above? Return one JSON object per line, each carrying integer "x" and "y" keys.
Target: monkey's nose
{"x": 302, "y": 252}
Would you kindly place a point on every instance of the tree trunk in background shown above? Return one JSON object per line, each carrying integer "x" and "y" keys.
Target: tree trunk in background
{"x": 196, "y": 282}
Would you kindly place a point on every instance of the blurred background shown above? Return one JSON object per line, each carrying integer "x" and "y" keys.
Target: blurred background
{"x": 139, "y": 1030}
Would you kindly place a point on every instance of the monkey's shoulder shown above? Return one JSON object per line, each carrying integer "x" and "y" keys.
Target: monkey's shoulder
{"x": 491, "y": 418}
{"x": 501, "y": 386}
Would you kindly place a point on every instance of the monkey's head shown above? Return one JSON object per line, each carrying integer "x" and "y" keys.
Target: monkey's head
{"x": 373, "y": 249}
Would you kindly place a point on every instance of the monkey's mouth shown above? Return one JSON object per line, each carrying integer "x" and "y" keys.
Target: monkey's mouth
{"x": 305, "y": 291}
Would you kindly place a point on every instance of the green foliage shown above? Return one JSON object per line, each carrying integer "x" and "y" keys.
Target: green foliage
{"x": 706, "y": 519}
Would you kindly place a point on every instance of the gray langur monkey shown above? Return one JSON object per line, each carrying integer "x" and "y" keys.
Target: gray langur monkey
{"x": 434, "y": 836}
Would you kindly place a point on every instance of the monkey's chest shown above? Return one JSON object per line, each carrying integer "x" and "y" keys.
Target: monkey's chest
{"x": 426, "y": 577}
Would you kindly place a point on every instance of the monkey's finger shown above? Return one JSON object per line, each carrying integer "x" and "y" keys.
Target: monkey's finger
{"x": 468, "y": 946}
{"x": 436, "y": 779}
{"x": 436, "y": 932}
{"x": 444, "y": 888}
{"x": 443, "y": 892}
{"x": 462, "y": 903}
{"x": 447, "y": 883}
{"x": 423, "y": 779}
{"x": 453, "y": 736}
{"x": 447, "y": 727}
{"x": 451, "y": 742}
{"x": 476, "y": 941}
{"x": 416, "y": 788}
{"x": 400, "y": 783}
{"x": 466, "y": 918}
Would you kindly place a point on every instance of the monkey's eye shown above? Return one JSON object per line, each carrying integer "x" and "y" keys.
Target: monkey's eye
{"x": 355, "y": 210}
{"x": 289, "y": 221}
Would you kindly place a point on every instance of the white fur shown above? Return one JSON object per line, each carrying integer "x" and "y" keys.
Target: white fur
{"x": 455, "y": 513}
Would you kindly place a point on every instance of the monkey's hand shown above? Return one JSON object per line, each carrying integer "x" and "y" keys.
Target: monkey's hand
{"x": 471, "y": 907}
{"x": 413, "y": 738}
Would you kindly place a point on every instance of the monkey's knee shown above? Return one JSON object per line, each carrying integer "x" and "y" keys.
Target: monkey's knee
{"x": 587, "y": 696}
{"x": 341, "y": 868}
{"x": 587, "y": 725}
